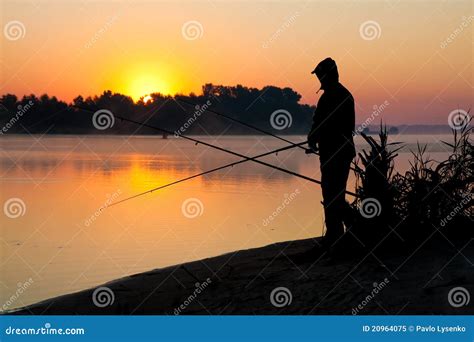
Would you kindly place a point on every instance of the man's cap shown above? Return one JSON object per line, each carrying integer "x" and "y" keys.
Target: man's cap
{"x": 326, "y": 67}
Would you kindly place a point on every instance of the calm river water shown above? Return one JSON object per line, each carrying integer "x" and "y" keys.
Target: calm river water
{"x": 55, "y": 239}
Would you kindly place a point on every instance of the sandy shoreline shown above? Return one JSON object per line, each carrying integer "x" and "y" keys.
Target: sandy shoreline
{"x": 242, "y": 282}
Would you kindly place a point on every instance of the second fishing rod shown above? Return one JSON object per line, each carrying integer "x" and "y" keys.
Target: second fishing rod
{"x": 207, "y": 172}
{"x": 245, "y": 124}
{"x": 197, "y": 141}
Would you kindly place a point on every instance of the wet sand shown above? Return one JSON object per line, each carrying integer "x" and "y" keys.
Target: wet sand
{"x": 242, "y": 282}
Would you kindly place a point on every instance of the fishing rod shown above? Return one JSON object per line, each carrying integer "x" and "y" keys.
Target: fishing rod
{"x": 243, "y": 123}
{"x": 209, "y": 171}
{"x": 196, "y": 141}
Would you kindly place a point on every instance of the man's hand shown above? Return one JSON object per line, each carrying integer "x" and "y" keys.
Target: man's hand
{"x": 312, "y": 142}
{"x": 313, "y": 146}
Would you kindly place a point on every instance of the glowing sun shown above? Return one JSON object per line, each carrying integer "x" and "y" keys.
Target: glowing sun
{"x": 144, "y": 85}
{"x": 147, "y": 98}
{"x": 141, "y": 80}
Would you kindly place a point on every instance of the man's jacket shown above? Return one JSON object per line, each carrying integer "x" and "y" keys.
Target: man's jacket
{"x": 333, "y": 124}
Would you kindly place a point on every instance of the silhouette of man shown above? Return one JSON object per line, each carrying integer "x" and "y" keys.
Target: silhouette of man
{"x": 331, "y": 134}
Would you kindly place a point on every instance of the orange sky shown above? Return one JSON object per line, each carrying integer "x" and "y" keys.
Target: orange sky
{"x": 137, "y": 47}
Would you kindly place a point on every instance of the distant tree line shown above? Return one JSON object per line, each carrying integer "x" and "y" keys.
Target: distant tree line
{"x": 46, "y": 114}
